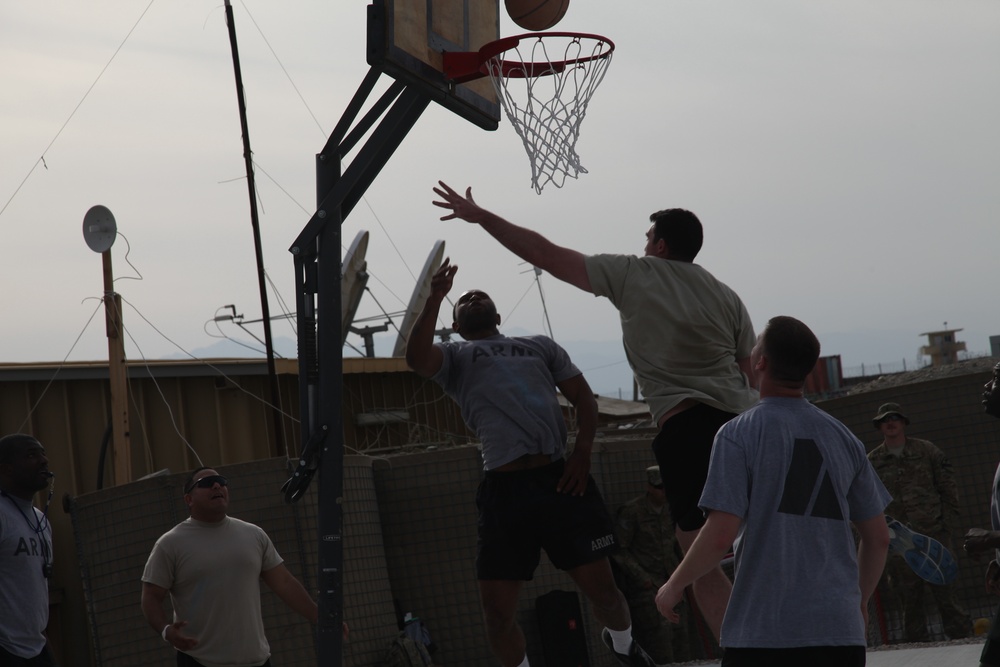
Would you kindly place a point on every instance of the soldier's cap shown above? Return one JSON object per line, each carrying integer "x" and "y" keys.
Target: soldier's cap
{"x": 653, "y": 476}
{"x": 887, "y": 409}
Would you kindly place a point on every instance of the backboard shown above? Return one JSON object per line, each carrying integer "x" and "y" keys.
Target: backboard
{"x": 407, "y": 37}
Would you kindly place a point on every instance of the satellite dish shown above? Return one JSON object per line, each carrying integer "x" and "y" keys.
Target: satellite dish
{"x": 99, "y": 228}
{"x": 419, "y": 297}
{"x": 353, "y": 278}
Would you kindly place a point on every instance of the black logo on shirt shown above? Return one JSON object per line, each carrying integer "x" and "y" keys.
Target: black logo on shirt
{"x": 29, "y": 547}
{"x": 808, "y": 488}
{"x": 500, "y": 350}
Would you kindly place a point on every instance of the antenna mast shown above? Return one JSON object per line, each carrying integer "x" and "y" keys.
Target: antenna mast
{"x": 272, "y": 375}
{"x": 541, "y": 293}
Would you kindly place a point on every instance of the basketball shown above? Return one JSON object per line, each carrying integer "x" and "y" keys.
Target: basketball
{"x": 536, "y": 14}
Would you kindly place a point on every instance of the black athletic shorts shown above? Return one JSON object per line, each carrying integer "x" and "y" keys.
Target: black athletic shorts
{"x": 43, "y": 659}
{"x": 682, "y": 449}
{"x": 521, "y": 513}
{"x": 805, "y": 656}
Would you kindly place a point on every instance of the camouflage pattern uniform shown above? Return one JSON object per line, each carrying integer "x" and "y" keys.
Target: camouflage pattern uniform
{"x": 925, "y": 498}
{"x": 647, "y": 556}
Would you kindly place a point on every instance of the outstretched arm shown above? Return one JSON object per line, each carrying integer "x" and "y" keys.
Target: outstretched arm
{"x": 577, "y": 391}
{"x": 421, "y": 354}
{"x": 563, "y": 263}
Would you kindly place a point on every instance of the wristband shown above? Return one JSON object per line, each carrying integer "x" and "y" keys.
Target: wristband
{"x": 164, "y": 633}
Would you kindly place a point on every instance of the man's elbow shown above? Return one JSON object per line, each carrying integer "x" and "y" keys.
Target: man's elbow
{"x": 877, "y": 539}
{"x": 883, "y": 541}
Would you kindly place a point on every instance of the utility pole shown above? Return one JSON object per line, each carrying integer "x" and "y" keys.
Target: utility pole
{"x": 100, "y": 231}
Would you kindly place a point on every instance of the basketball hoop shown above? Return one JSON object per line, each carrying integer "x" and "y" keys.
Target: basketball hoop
{"x": 560, "y": 71}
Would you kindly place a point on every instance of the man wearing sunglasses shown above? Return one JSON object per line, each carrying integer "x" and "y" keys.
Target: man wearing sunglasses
{"x": 924, "y": 498}
{"x": 209, "y": 565}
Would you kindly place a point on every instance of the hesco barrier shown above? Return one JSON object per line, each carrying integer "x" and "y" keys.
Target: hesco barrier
{"x": 409, "y": 546}
{"x": 410, "y": 536}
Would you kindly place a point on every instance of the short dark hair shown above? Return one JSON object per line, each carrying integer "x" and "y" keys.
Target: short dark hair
{"x": 190, "y": 478}
{"x": 681, "y": 230}
{"x": 13, "y": 444}
{"x": 791, "y": 349}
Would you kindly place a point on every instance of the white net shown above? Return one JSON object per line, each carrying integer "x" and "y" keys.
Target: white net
{"x": 545, "y": 83}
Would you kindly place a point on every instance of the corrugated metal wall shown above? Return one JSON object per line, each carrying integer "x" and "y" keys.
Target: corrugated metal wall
{"x": 409, "y": 536}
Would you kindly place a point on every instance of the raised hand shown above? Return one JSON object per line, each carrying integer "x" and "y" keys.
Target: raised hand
{"x": 443, "y": 279}
{"x": 464, "y": 208}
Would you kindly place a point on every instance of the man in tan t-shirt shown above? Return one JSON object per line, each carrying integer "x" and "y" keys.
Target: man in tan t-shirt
{"x": 209, "y": 565}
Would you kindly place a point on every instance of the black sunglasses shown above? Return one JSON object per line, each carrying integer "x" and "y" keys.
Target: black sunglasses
{"x": 208, "y": 482}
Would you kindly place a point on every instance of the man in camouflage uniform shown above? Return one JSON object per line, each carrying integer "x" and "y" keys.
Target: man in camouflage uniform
{"x": 925, "y": 498}
{"x": 647, "y": 556}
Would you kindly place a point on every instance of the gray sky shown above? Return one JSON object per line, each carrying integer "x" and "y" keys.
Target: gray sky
{"x": 843, "y": 157}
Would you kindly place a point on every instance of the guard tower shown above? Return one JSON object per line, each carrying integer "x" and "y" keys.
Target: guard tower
{"x": 942, "y": 347}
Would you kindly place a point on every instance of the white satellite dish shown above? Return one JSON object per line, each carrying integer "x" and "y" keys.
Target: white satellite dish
{"x": 353, "y": 278}
{"x": 99, "y": 228}
{"x": 419, "y": 297}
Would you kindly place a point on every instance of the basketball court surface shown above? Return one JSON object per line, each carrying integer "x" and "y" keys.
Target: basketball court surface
{"x": 937, "y": 655}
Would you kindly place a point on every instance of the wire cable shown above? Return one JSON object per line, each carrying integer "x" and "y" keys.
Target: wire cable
{"x": 166, "y": 403}
{"x": 41, "y": 159}
{"x": 511, "y": 313}
{"x": 128, "y": 251}
{"x": 31, "y": 411}
{"x": 209, "y": 365}
{"x": 282, "y": 66}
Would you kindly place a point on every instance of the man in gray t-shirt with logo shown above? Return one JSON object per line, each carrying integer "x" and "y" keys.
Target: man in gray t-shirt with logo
{"x": 786, "y": 484}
